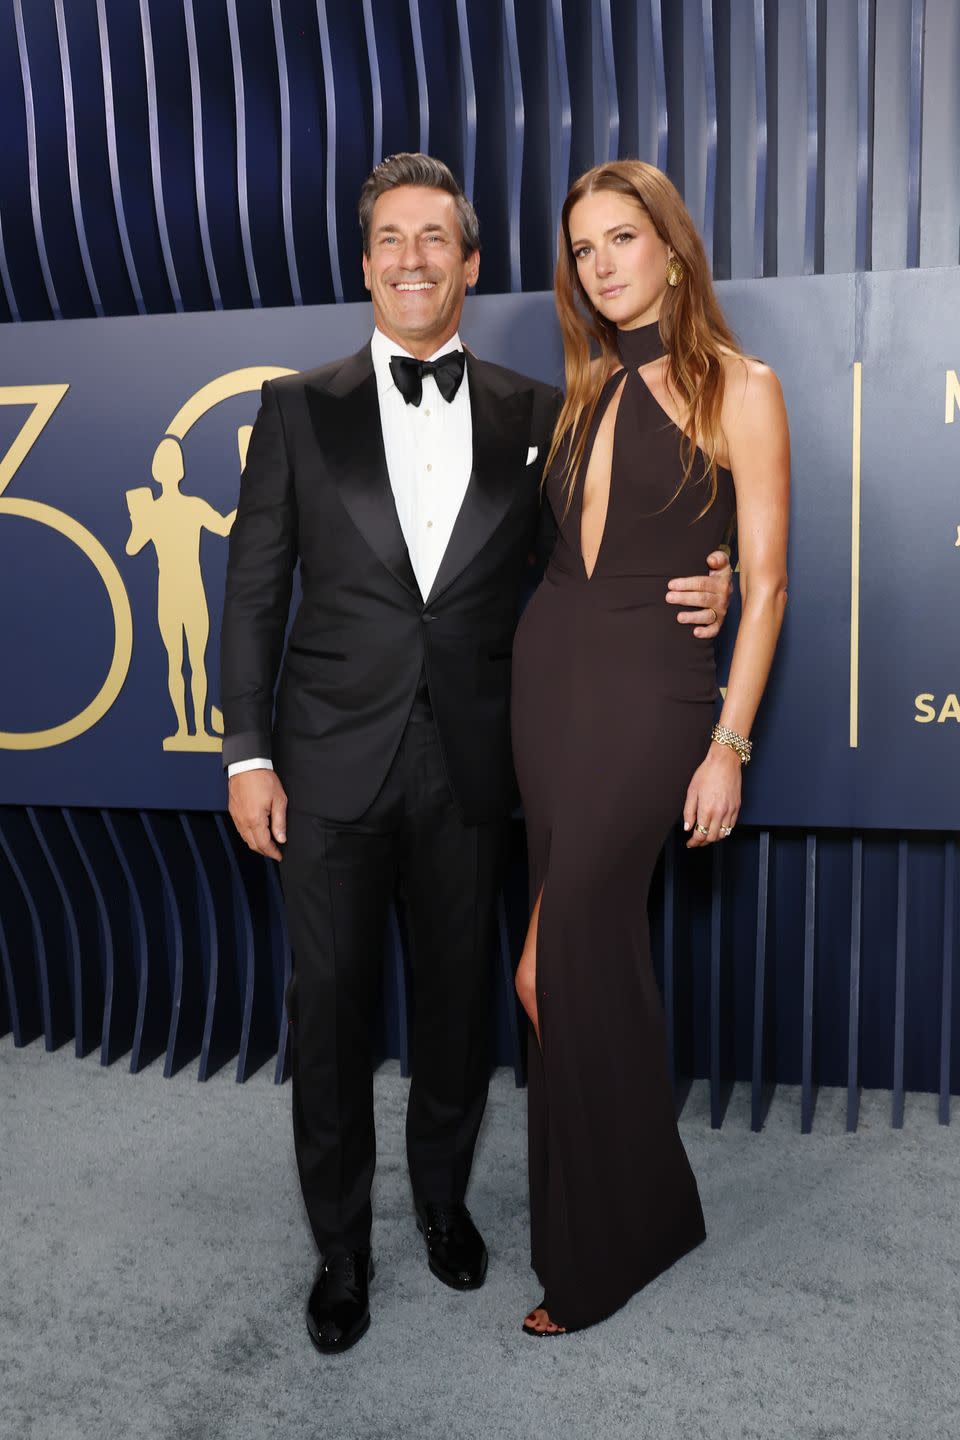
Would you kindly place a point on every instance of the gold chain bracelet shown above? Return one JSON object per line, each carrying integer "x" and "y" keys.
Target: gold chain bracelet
{"x": 725, "y": 736}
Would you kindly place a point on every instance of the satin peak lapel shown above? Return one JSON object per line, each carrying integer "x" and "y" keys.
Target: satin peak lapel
{"x": 346, "y": 421}
{"x": 500, "y": 419}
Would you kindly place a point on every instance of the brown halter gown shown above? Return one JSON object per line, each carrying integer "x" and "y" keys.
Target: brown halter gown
{"x": 613, "y": 701}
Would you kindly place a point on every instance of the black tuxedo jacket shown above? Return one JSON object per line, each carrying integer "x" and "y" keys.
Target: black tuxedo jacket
{"x": 316, "y": 489}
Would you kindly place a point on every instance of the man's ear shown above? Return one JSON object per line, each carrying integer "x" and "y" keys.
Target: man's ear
{"x": 366, "y": 270}
{"x": 473, "y": 268}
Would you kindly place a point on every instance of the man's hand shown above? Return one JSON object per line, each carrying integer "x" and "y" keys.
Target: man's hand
{"x": 258, "y": 808}
{"x": 705, "y": 598}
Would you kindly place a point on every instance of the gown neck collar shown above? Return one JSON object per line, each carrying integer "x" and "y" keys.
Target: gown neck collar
{"x": 640, "y": 345}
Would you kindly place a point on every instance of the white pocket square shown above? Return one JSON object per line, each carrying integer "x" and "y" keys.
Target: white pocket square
{"x": 532, "y": 454}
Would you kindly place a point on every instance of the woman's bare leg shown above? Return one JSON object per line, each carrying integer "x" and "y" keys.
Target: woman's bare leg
{"x": 526, "y": 976}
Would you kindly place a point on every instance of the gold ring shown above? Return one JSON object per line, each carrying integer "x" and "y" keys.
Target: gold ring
{"x": 725, "y": 830}
{"x": 702, "y": 829}
{"x": 713, "y": 612}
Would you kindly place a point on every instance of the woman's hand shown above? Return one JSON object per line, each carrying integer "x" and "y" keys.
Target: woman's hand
{"x": 713, "y": 796}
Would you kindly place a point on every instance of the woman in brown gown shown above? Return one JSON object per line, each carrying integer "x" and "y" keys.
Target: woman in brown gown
{"x": 613, "y": 704}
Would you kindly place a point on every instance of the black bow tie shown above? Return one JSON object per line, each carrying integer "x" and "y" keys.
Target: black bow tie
{"x": 408, "y": 375}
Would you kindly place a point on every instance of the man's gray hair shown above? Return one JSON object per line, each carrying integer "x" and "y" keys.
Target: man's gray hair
{"x": 417, "y": 169}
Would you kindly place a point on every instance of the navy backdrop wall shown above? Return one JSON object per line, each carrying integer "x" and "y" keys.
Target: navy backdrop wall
{"x": 182, "y": 157}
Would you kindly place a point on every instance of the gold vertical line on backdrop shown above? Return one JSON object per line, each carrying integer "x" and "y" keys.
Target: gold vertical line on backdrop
{"x": 855, "y": 557}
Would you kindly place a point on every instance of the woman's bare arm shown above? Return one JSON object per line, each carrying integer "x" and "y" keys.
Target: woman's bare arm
{"x": 758, "y": 441}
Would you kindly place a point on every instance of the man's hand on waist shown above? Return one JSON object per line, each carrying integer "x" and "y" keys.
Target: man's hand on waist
{"x": 704, "y": 599}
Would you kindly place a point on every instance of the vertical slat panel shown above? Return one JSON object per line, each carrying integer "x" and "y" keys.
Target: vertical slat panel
{"x": 914, "y": 154}
{"x": 5, "y": 1026}
{"x": 373, "y": 64}
{"x": 23, "y": 971}
{"x": 759, "y": 984}
{"x": 244, "y": 940}
{"x": 240, "y": 120}
{"x": 141, "y": 952}
{"x": 643, "y": 96}
{"x": 32, "y": 165}
{"x": 199, "y": 173}
{"x": 62, "y": 1024}
{"x": 210, "y": 1045}
{"x": 7, "y": 281}
{"x": 286, "y": 182}
{"x": 330, "y": 108}
{"x": 10, "y": 992}
{"x": 765, "y": 140}
{"x": 107, "y": 949}
{"x": 55, "y": 1027}
{"x": 891, "y": 146}
{"x": 660, "y": 82}
{"x": 156, "y": 168}
{"x": 839, "y": 138}
{"x": 71, "y": 124}
{"x": 610, "y": 81}
{"x": 19, "y": 994}
{"x": 866, "y": 52}
{"x": 112, "y": 154}
{"x": 82, "y": 1022}
{"x": 786, "y": 95}
{"x": 807, "y": 1098}
{"x": 940, "y": 120}
{"x": 710, "y": 85}
{"x": 420, "y": 63}
{"x": 564, "y": 112}
{"x": 469, "y": 138}
{"x": 514, "y": 133}
{"x": 900, "y": 992}
{"x": 946, "y": 990}
{"x": 853, "y": 1031}
{"x": 174, "y": 938}
{"x": 816, "y": 94}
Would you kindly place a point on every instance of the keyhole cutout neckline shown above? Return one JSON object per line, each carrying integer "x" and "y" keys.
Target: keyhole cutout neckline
{"x": 636, "y": 347}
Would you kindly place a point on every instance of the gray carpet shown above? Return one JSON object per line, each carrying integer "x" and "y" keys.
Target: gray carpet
{"x": 154, "y": 1262}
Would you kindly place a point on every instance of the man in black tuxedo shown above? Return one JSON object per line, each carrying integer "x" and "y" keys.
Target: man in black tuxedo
{"x": 406, "y": 480}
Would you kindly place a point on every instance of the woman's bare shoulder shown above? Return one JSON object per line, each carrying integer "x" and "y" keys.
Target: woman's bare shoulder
{"x": 749, "y": 385}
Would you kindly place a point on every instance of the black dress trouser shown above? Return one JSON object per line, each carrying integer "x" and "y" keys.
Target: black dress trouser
{"x": 338, "y": 881}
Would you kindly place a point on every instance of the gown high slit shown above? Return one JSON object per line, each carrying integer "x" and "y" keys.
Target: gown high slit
{"x": 612, "y": 706}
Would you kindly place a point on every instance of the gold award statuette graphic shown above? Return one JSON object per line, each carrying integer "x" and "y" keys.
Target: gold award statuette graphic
{"x": 173, "y": 524}
{"x": 44, "y": 400}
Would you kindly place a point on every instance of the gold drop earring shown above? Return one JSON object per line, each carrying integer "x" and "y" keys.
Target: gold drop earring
{"x": 675, "y": 271}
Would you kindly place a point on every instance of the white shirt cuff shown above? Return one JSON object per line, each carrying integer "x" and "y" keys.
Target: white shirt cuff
{"x": 238, "y": 767}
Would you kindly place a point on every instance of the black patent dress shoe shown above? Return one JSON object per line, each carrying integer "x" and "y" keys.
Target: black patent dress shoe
{"x": 338, "y": 1311}
{"x": 455, "y": 1248}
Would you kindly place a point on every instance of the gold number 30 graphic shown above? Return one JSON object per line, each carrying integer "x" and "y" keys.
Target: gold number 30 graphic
{"x": 45, "y": 399}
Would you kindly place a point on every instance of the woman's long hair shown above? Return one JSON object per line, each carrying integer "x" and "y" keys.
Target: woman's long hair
{"x": 692, "y": 326}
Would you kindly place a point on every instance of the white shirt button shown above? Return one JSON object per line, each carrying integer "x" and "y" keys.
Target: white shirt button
{"x": 429, "y": 467}
{"x": 426, "y": 412}
{"x": 429, "y": 524}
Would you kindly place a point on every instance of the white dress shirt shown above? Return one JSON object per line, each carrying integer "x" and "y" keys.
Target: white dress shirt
{"x": 429, "y": 452}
